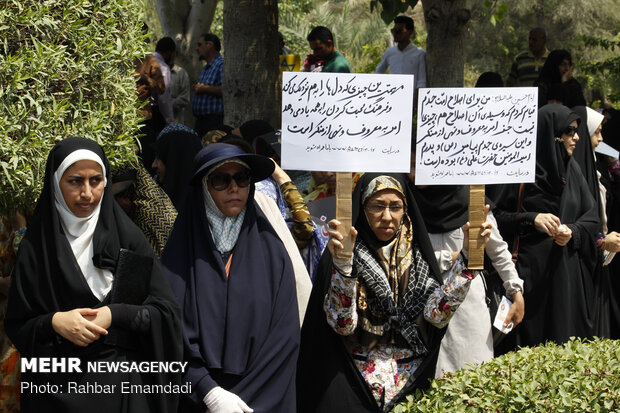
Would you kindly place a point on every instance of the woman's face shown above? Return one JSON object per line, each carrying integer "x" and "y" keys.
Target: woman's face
{"x": 570, "y": 138}
{"x": 597, "y": 137}
{"x": 82, "y": 187}
{"x": 384, "y": 211}
{"x": 230, "y": 200}
{"x": 564, "y": 66}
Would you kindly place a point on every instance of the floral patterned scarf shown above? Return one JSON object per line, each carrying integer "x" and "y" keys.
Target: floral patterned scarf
{"x": 394, "y": 281}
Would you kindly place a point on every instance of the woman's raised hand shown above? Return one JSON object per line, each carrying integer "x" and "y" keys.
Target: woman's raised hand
{"x": 335, "y": 237}
{"x": 344, "y": 265}
{"x": 74, "y": 326}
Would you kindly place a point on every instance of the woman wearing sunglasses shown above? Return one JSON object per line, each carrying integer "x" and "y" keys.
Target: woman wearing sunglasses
{"x": 556, "y": 224}
{"x": 235, "y": 284}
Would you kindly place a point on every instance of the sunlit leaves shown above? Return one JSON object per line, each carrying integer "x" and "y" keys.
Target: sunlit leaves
{"x": 579, "y": 376}
{"x": 65, "y": 70}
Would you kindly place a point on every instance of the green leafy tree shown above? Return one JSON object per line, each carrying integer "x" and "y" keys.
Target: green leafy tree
{"x": 65, "y": 70}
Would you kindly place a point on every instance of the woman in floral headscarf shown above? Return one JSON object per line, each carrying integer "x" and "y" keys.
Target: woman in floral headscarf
{"x": 365, "y": 341}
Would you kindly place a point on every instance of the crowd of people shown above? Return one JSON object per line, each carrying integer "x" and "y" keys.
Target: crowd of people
{"x": 206, "y": 253}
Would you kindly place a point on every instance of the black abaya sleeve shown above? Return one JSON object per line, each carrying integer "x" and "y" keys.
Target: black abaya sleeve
{"x": 509, "y": 221}
{"x": 583, "y": 220}
{"x": 28, "y": 321}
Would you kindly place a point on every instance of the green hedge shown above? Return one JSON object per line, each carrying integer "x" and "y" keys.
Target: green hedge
{"x": 580, "y": 376}
{"x": 65, "y": 70}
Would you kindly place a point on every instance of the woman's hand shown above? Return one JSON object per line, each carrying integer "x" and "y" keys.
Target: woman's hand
{"x": 219, "y": 400}
{"x": 73, "y": 326}
{"x": 548, "y": 223}
{"x": 344, "y": 265}
{"x": 335, "y": 237}
{"x": 279, "y": 175}
{"x": 612, "y": 242}
{"x": 103, "y": 318}
{"x": 563, "y": 235}
{"x": 517, "y": 310}
{"x": 485, "y": 233}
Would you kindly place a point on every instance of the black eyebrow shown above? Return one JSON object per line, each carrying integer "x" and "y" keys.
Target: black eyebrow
{"x": 81, "y": 177}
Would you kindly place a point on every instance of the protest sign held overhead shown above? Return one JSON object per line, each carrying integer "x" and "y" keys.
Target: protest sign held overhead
{"x": 346, "y": 122}
{"x": 476, "y": 136}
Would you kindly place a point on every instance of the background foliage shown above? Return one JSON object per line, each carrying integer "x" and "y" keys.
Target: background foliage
{"x": 580, "y": 376}
{"x": 499, "y": 29}
{"x": 65, "y": 70}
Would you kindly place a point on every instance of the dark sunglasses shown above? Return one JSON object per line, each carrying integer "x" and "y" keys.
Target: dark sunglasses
{"x": 394, "y": 31}
{"x": 221, "y": 181}
{"x": 570, "y": 130}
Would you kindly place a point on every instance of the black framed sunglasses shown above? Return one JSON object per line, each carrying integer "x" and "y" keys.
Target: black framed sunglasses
{"x": 570, "y": 130}
{"x": 221, "y": 181}
{"x": 394, "y": 31}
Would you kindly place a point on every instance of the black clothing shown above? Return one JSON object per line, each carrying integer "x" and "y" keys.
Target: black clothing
{"x": 558, "y": 281}
{"x": 47, "y": 279}
{"x": 177, "y": 148}
{"x": 241, "y": 329}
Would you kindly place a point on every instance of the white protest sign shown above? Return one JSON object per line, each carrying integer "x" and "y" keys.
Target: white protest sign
{"x": 476, "y": 136}
{"x": 344, "y": 122}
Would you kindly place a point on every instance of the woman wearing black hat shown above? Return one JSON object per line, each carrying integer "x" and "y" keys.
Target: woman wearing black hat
{"x": 234, "y": 281}
{"x": 86, "y": 284}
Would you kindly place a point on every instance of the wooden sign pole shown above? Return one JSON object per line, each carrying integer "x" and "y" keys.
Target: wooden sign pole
{"x": 344, "y": 183}
{"x": 476, "y": 218}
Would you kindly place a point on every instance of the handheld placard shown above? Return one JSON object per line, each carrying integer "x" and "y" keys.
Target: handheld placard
{"x": 344, "y": 182}
{"x": 476, "y": 218}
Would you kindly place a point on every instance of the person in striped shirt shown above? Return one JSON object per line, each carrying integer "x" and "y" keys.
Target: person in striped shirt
{"x": 527, "y": 65}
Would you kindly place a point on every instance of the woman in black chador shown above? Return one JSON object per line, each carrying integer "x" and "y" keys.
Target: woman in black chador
{"x": 235, "y": 283}
{"x": 86, "y": 284}
{"x": 557, "y": 226}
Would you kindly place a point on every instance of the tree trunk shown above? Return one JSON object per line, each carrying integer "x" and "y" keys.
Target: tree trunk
{"x": 251, "y": 81}
{"x": 185, "y": 21}
{"x": 445, "y": 22}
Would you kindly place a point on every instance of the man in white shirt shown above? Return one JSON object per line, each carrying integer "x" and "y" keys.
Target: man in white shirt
{"x": 404, "y": 57}
{"x": 180, "y": 92}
